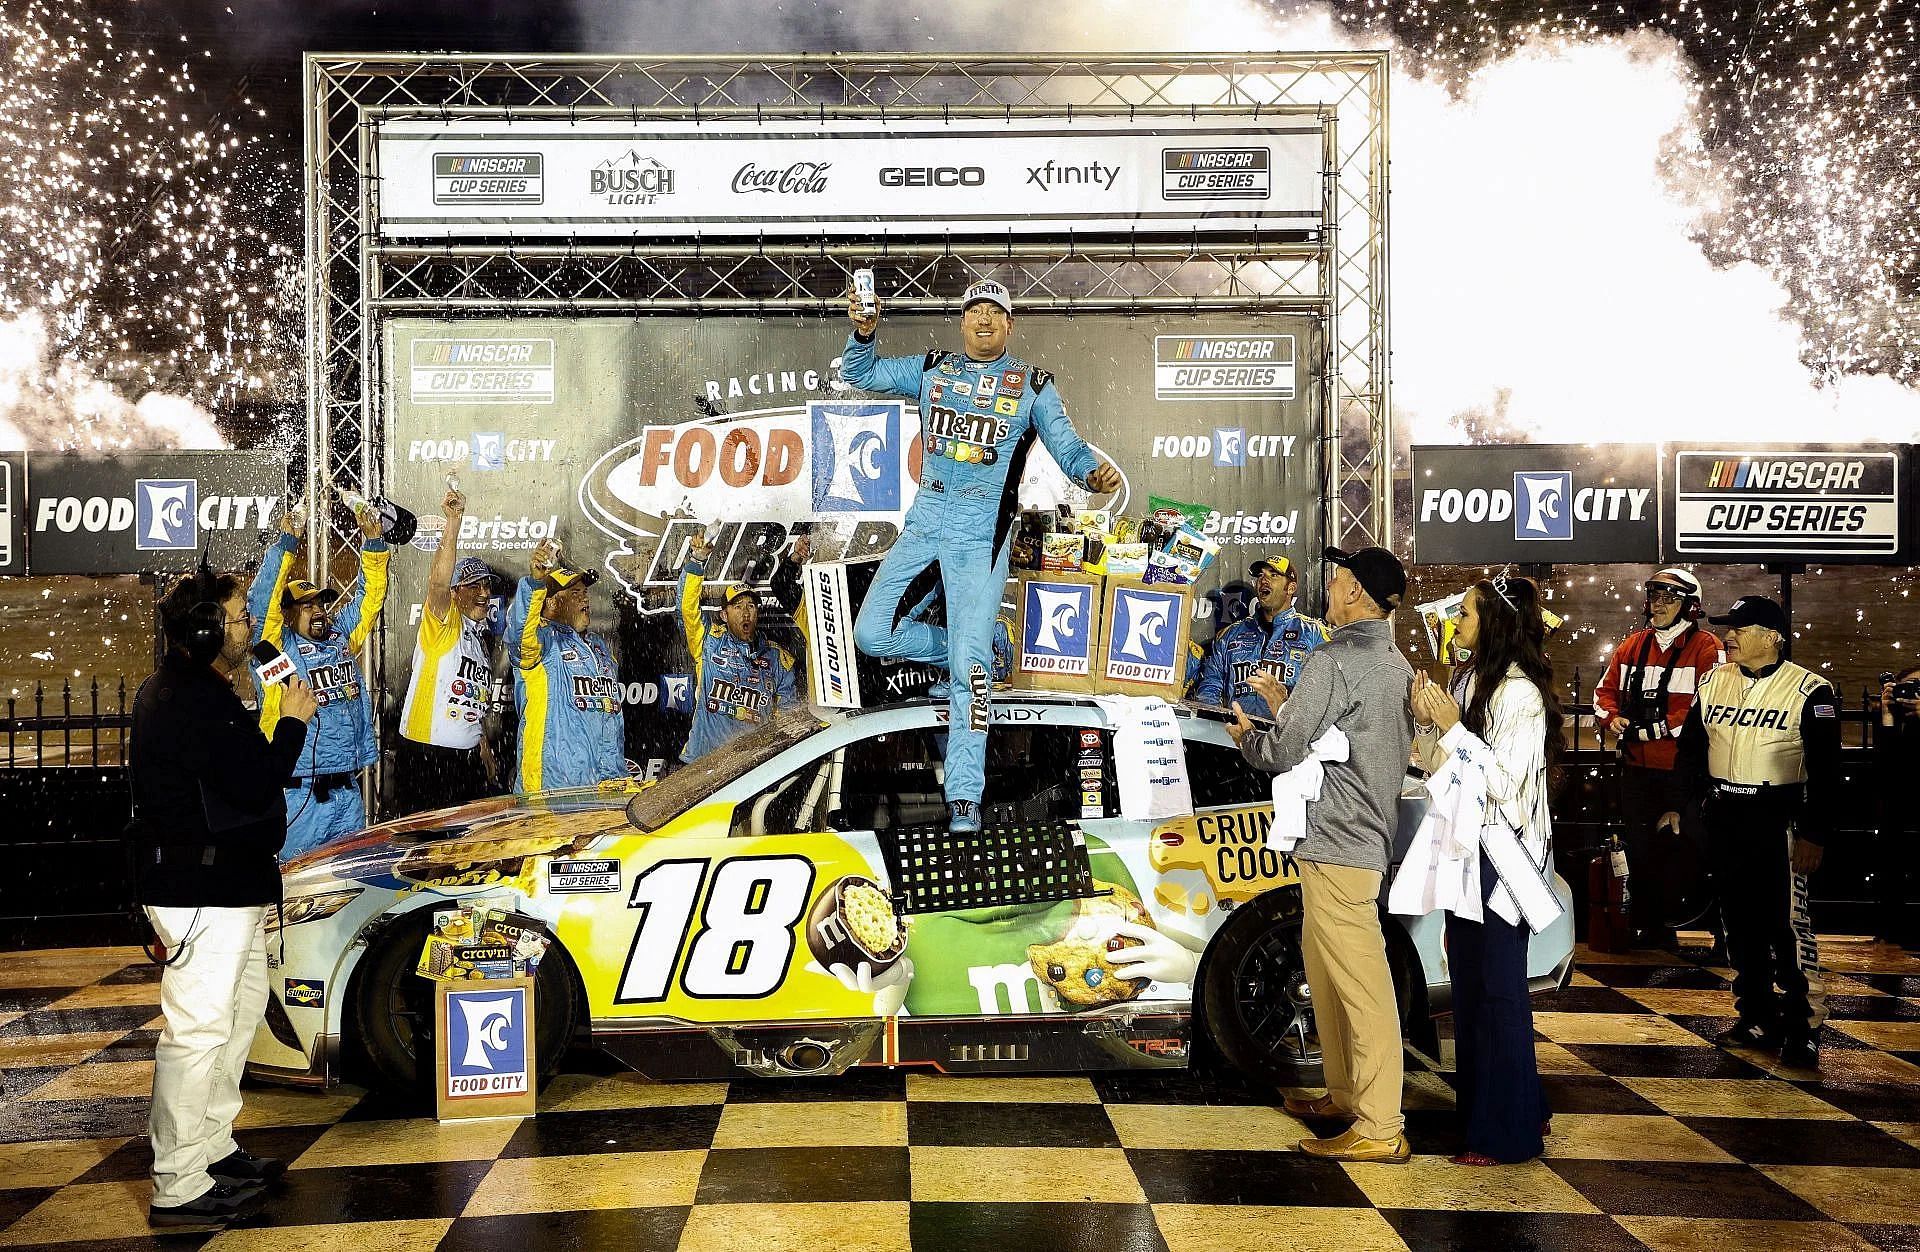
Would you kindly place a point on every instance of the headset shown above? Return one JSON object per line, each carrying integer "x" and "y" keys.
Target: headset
{"x": 203, "y": 633}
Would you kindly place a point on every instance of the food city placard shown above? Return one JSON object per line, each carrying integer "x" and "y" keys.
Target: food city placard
{"x": 813, "y": 176}
{"x": 1552, "y": 503}
{"x": 1781, "y": 503}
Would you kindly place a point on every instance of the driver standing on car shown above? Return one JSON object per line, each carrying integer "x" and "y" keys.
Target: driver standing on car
{"x": 739, "y": 676}
{"x": 565, "y": 684}
{"x": 980, "y": 411}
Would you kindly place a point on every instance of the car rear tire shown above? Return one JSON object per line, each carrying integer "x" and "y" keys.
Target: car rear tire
{"x": 1255, "y": 1002}
{"x": 393, "y": 1007}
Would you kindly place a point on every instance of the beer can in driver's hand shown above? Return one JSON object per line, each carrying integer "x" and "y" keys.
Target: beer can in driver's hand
{"x": 863, "y": 293}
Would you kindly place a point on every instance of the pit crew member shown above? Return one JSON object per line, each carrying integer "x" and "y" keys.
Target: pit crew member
{"x": 443, "y": 757}
{"x": 565, "y": 684}
{"x": 1275, "y": 637}
{"x": 324, "y": 799}
{"x": 980, "y": 410}
{"x": 740, "y": 676}
{"x": 1643, "y": 700}
{"x": 1761, "y": 748}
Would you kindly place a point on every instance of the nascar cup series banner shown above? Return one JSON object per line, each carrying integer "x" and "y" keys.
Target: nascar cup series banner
{"x": 812, "y": 177}
{"x": 1553, "y": 503}
{"x": 625, "y": 437}
{"x": 1788, "y": 504}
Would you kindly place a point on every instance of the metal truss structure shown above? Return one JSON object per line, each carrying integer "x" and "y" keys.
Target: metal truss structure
{"x": 355, "y": 278}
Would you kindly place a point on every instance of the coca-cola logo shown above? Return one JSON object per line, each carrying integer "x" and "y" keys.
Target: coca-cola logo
{"x": 801, "y": 178}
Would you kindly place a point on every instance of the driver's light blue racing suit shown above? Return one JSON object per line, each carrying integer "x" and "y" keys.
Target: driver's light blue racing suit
{"x": 1248, "y": 645}
{"x": 978, "y": 420}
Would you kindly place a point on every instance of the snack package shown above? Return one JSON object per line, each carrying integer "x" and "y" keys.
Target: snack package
{"x": 1170, "y": 513}
{"x": 1193, "y": 550}
{"x": 1441, "y": 618}
{"x": 1126, "y": 560}
{"x": 1162, "y": 568}
{"x": 1093, "y": 521}
{"x": 1061, "y": 552}
{"x": 525, "y": 936}
{"x": 465, "y": 944}
{"x": 1126, "y": 530}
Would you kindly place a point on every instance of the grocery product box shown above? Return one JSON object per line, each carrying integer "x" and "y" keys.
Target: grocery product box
{"x": 1057, "y": 630}
{"x": 1144, "y": 629}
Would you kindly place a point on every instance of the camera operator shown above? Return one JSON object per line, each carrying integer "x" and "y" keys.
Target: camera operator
{"x": 1643, "y": 701}
{"x": 209, "y": 821}
{"x": 1896, "y": 750}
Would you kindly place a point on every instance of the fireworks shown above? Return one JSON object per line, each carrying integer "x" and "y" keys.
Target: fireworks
{"x": 129, "y": 247}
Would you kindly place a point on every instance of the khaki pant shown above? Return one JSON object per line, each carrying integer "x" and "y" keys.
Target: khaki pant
{"x": 1353, "y": 1003}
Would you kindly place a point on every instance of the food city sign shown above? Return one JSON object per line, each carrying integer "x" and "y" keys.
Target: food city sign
{"x": 808, "y": 177}
{"x": 1571, "y": 503}
{"x": 1786, "y": 504}
{"x": 147, "y": 512}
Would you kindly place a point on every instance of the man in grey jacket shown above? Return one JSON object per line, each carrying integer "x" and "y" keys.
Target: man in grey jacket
{"x": 1358, "y": 681}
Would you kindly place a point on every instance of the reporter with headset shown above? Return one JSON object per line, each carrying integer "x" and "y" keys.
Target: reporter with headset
{"x": 208, "y": 822}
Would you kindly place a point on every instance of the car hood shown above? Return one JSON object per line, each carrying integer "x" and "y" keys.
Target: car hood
{"x": 488, "y": 841}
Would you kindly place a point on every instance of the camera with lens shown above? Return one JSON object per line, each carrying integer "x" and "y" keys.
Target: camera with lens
{"x": 1905, "y": 691}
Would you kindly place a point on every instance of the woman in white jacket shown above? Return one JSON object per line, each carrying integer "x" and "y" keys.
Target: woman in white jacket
{"x": 1502, "y": 718}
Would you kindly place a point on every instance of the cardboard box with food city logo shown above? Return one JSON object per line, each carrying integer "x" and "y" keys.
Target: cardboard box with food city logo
{"x": 1056, "y": 630}
{"x": 1143, "y": 638}
{"x": 484, "y": 1062}
{"x": 1773, "y": 503}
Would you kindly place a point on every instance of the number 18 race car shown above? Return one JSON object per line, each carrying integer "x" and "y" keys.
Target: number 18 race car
{"x": 792, "y": 905}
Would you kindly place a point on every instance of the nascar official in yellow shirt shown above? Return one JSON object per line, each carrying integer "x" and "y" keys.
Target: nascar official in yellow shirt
{"x": 443, "y": 757}
{"x": 1761, "y": 751}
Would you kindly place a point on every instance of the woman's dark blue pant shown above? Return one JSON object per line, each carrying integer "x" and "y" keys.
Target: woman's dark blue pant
{"x": 1497, "y": 1076}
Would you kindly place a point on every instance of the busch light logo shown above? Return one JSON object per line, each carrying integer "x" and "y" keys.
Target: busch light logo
{"x": 487, "y": 1042}
{"x": 1144, "y": 635}
{"x": 1230, "y": 448}
{"x": 165, "y": 514}
{"x": 1544, "y": 501}
{"x": 1056, "y": 635}
{"x": 856, "y": 457}
{"x": 489, "y": 450}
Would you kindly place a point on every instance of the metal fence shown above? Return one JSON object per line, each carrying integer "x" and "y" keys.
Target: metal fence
{"x": 88, "y": 737}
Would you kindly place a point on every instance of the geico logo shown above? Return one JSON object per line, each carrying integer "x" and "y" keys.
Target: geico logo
{"x": 1203, "y": 445}
{"x": 933, "y": 176}
{"x": 474, "y": 528}
{"x": 1590, "y": 504}
{"x": 1252, "y": 525}
{"x": 460, "y": 449}
{"x": 743, "y": 456}
{"x": 96, "y": 514}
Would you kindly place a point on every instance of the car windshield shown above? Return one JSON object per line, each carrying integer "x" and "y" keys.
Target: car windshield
{"x": 691, "y": 784}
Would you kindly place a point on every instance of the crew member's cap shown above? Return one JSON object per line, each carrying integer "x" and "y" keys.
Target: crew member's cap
{"x": 1678, "y": 579}
{"x": 987, "y": 289}
{"x": 1754, "y": 611}
{"x": 1378, "y": 572}
{"x": 1281, "y": 566}
{"x": 300, "y": 591}
{"x": 562, "y": 577}
{"x": 742, "y": 589}
{"x": 471, "y": 569}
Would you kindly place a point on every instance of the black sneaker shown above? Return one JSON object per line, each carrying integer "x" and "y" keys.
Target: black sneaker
{"x": 1747, "y": 1035}
{"x": 241, "y": 1165}
{"x": 963, "y": 817}
{"x": 1800, "y": 1053}
{"x": 224, "y": 1202}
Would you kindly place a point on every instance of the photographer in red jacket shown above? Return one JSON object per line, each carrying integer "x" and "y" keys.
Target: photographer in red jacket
{"x": 1642, "y": 701}
{"x": 209, "y": 818}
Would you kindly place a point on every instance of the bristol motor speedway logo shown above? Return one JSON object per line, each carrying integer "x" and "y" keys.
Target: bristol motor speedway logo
{"x": 1056, "y": 628}
{"x": 854, "y": 462}
{"x": 1145, "y": 635}
{"x": 487, "y": 1043}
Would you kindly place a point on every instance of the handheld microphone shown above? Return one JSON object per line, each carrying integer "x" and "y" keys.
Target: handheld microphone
{"x": 275, "y": 665}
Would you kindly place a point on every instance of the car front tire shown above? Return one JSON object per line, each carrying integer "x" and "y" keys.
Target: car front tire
{"x": 393, "y": 1007}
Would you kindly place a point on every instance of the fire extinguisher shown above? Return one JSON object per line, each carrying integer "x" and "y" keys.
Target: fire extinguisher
{"x": 1609, "y": 899}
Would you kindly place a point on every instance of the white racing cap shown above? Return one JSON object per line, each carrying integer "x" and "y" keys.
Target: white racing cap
{"x": 990, "y": 291}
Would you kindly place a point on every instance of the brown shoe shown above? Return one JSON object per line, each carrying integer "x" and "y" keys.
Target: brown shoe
{"x": 1319, "y": 1106}
{"x": 1351, "y": 1145}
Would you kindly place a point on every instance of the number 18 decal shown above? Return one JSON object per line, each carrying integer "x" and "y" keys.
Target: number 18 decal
{"x": 745, "y": 937}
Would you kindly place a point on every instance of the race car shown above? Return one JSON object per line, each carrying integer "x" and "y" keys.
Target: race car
{"x": 792, "y": 905}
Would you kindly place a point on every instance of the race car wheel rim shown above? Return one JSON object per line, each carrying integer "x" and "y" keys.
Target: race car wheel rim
{"x": 1275, "y": 1008}
{"x": 410, "y": 1009}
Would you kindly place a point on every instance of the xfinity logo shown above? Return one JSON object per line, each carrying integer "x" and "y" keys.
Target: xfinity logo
{"x": 163, "y": 514}
{"x": 1545, "y": 510}
{"x": 1093, "y": 174}
{"x": 856, "y": 457}
{"x": 807, "y": 178}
